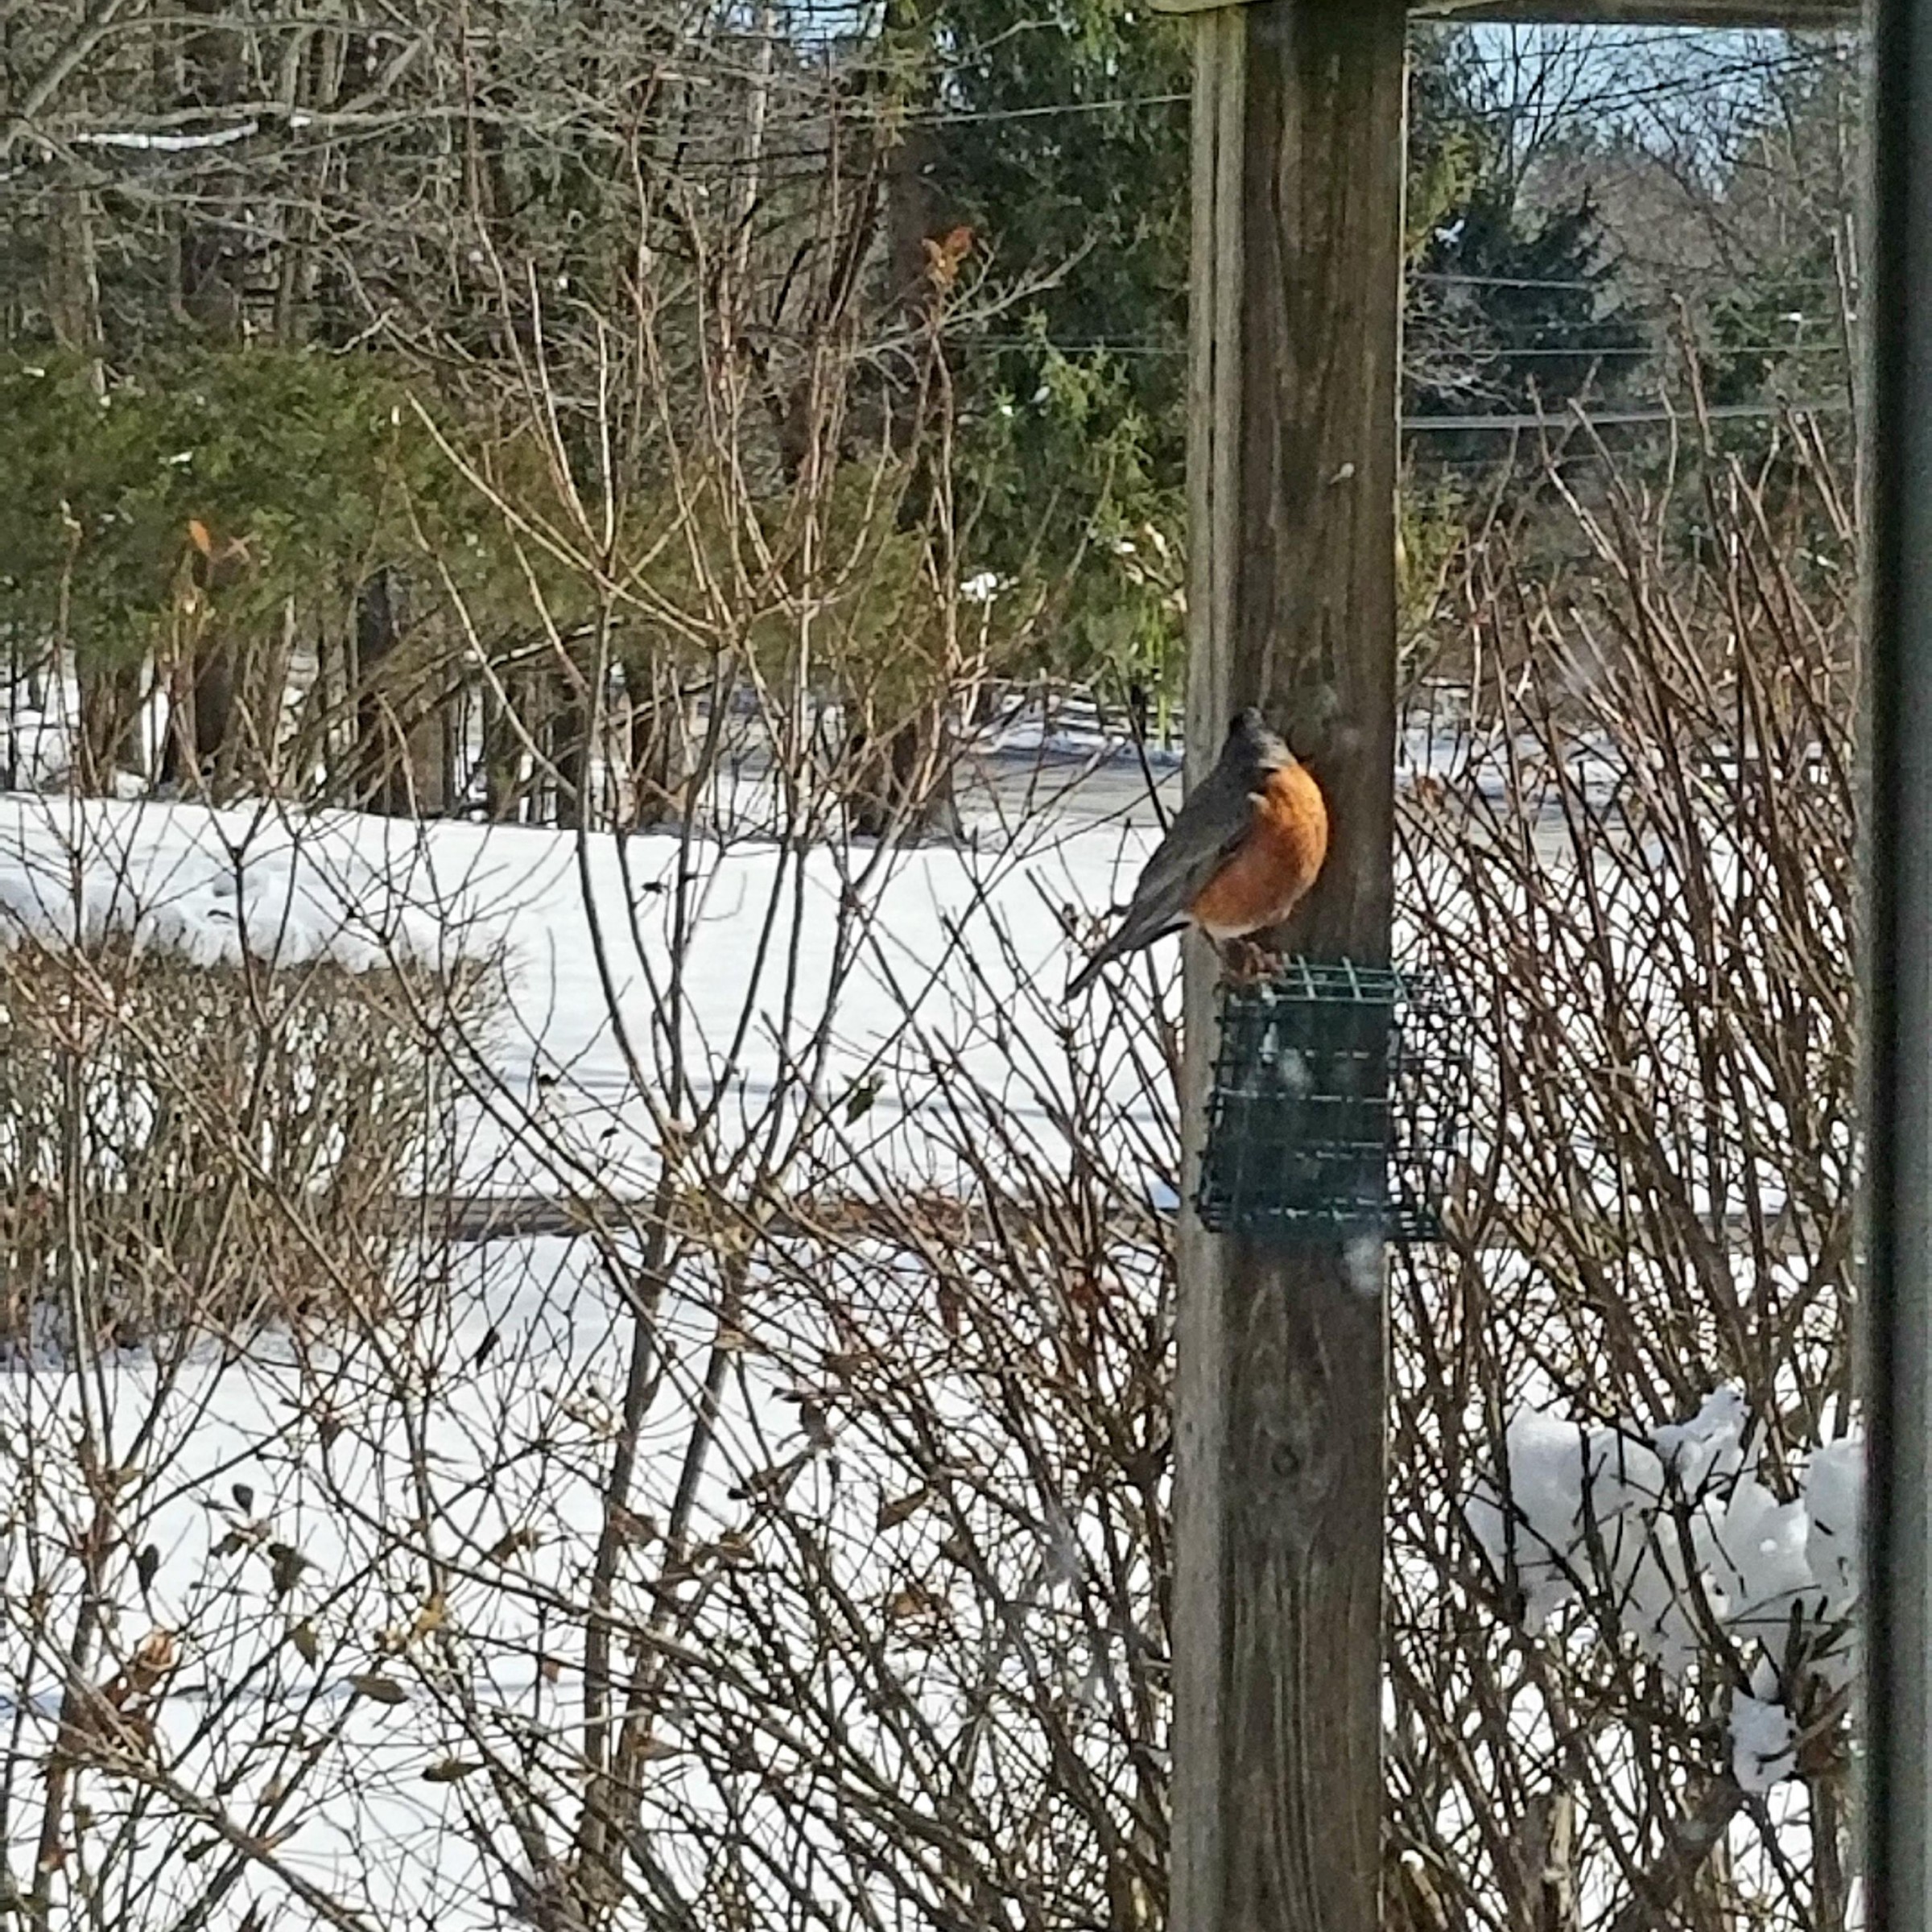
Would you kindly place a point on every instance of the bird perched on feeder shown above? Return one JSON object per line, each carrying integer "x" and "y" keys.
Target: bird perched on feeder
{"x": 1240, "y": 854}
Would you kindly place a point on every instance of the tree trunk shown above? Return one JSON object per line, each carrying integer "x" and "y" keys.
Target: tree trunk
{"x": 201, "y": 713}
{"x": 73, "y": 282}
{"x": 110, "y": 713}
{"x": 383, "y": 774}
{"x": 210, "y": 278}
{"x": 657, "y": 739}
{"x": 502, "y": 751}
{"x": 902, "y": 781}
{"x": 567, "y": 741}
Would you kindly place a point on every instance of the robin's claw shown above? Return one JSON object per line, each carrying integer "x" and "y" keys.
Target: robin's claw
{"x": 1246, "y": 962}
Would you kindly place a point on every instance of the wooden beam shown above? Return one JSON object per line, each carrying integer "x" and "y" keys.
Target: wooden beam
{"x": 1296, "y": 290}
{"x": 1834, "y": 15}
{"x": 1837, "y": 15}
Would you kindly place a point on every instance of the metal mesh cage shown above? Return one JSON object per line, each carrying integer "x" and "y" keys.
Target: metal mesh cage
{"x": 1339, "y": 1105}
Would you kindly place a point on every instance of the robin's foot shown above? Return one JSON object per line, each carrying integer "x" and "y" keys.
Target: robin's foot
{"x": 1246, "y": 962}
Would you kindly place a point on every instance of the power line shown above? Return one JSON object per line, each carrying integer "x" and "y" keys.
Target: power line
{"x": 1456, "y": 278}
{"x": 1513, "y": 351}
{"x": 949, "y": 118}
{"x": 1606, "y": 418}
{"x": 852, "y": 113}
{"x": 1484, "y": 351}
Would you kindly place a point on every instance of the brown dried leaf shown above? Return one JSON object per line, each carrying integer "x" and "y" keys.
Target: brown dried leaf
{"x": 895, "y": 1510}
{"x": 286, "y": 1564}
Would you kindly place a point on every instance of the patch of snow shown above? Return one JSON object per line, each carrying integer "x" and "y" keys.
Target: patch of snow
{"x": 1763, "y": 1737}
{"x": 216, "y": 888}
{"x": 1364, "y": 1266}
{"x": 169, "y": 144}
{"x": 1674, "y": 1519}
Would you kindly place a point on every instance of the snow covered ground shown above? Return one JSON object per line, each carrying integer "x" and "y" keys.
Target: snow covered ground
{"x": 589, "y": 939}
{"x": 289, "y": 1525}
{"x": 285, "y": 1521}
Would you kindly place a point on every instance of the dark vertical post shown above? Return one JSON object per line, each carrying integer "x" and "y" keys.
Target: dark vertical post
{"x": 1296, "y": 293}
{"x": 1899, "y": 979}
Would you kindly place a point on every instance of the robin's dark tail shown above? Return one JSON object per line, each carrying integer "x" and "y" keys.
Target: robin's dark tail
{"x": 1132, "y": 934}
{"x": 1088, "y": 974}
{"x": 1126, "y": 939}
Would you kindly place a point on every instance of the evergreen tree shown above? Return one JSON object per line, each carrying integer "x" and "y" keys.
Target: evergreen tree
{"x": 1516, "y": 312}
{"x": 1062, "y": 138}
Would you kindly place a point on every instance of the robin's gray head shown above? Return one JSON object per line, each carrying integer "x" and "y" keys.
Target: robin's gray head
{"x": 1249, "y": 737}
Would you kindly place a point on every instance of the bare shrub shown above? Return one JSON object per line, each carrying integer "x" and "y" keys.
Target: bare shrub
{"x": 1614, "y": 1708}
{"x": 207, "y": 1147}
{"x": 772, "y": 1531}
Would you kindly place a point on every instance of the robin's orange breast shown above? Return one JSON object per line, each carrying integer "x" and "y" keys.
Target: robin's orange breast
{"x": 1267, "y": 878}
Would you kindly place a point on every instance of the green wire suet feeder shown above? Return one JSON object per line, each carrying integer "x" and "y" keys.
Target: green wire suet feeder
{"x": 1340, "y": 1106}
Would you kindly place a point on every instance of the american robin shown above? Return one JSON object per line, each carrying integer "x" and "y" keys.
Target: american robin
{"x": 1242, "y": 851}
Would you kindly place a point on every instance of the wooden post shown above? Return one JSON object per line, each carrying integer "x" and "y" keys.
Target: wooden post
{"x": 1298, "y": 185}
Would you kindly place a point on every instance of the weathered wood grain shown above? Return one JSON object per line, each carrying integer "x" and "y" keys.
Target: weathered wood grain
{"x": 1279, "y": 1503}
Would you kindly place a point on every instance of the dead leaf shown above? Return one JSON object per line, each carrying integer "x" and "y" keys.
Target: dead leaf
{"x": 632, "y": 1526}
{"x": 944, "y": 256}
{"x": 285, "y": 1567}
{"x": 197, "y": 535}
{"x": 894, "y": 1511}
{"x": 451, "y": 1771}
{"x": 765, "y": 1482}
{"x": 379, "y": 1689}
{"x": 303, "y": 1636}
{"x": 153, "y": 1658}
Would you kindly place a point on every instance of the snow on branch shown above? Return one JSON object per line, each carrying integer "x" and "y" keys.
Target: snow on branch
{"x": 1672, "y": 1542}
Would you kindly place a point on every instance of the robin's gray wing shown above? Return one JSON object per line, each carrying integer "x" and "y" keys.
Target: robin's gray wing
{"x": 1206, "y": 832}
